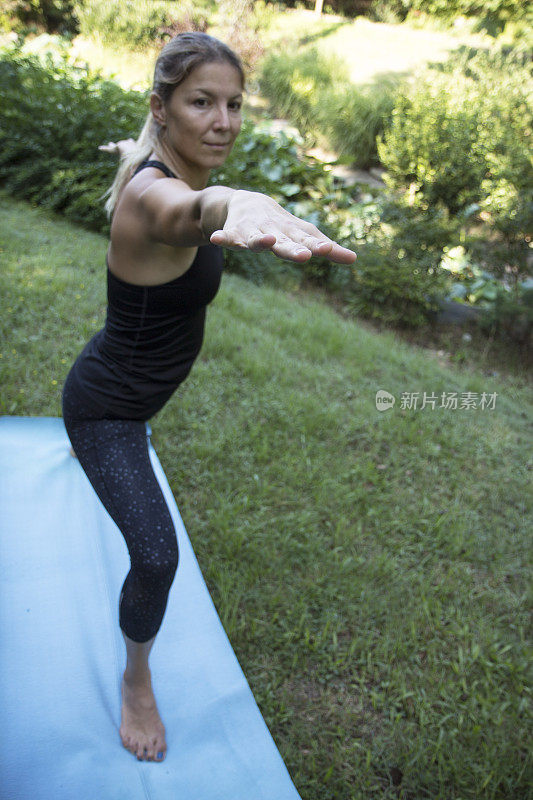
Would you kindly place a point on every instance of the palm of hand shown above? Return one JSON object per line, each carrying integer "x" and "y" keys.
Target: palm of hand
{"x": 256, "y": 222}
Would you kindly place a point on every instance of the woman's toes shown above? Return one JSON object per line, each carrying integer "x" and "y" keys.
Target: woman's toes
{"x": 152, "y": 750}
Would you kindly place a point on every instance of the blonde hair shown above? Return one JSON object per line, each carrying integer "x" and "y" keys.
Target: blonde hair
{"x": 178, "y": 58}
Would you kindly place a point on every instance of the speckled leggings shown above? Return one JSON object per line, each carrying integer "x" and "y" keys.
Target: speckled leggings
{"x": 114, "y": 454}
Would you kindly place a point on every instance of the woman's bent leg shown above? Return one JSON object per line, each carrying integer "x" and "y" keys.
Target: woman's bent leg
{"x": 115, "y": 457}
{"x": 114, "y": 454}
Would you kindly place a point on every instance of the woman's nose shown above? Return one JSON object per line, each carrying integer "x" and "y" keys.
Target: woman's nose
{"x": 222, "y": 118}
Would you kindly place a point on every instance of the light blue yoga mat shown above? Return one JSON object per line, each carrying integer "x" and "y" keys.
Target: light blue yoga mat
{"x": 62, "y": 564}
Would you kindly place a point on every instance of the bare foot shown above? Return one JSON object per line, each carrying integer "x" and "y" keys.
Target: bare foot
{"x": 142, "y": 731}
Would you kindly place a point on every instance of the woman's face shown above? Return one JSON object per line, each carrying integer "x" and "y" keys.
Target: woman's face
{"x": 202, "y": 118}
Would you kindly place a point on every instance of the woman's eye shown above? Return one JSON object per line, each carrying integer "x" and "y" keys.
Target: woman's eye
{"x": 200, "y": 101}
{"x": 236, "y": 106}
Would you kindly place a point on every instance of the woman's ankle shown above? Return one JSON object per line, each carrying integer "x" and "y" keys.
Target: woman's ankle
{"x": 136, "y": 677}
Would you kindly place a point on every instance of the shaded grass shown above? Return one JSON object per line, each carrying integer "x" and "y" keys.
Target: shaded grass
{"x": 371, "y": 570}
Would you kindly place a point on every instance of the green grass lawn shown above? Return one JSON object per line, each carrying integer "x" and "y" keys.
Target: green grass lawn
{"x": 372, "y": 570}
{"x": 370, "y": 50}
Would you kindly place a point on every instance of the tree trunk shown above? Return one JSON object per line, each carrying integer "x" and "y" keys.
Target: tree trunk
{"x": 318, "y": 7}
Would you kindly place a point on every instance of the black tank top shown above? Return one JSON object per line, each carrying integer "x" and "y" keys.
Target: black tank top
{"x": 151, "y": 338}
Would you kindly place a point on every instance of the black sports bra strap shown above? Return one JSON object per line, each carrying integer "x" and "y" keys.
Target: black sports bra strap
{"x": 159, "y": 165}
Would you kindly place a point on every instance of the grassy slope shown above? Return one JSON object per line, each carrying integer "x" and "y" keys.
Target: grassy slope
{"x": 370, "y": 50}
{"x": 370, "y": 569}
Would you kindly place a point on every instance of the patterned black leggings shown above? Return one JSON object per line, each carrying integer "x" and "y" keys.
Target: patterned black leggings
{"x": 114, "y": 454}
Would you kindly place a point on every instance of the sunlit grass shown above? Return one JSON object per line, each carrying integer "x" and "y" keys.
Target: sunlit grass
{"x": 372, "y": 50}
{"x": 369, "y": 49}
{"x": 132, "y": 69}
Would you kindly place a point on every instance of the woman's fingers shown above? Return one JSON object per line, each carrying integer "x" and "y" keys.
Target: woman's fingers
{"x": 121, "y": 147}
{"x": 235, "y": 240}
{"x": 302, "y": 249}
{"x": 341, "y": 255}
{"x": 296, "y": 245}
{"x": 282, "y": 246}
{"x": 261, "y": 241}
{"x": 110, "y": 147}
{"x": 228, "y": 238}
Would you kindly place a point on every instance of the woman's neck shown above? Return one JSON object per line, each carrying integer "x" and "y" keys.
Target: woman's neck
{"x": 193, "y": 177}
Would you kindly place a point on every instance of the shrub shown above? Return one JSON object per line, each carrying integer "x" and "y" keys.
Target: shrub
{"x": 354, "y": 119}
{"x": 54, "y": 115}
{"x": 315, "y": 93}
{"x": 510, "y": 315}
{"x": 53, "y": 118}
{"x": 295, "y": 83}
{"x": 431, "y": 145}
{"x": 461, "y": 138}
{"x": 138, "y": 23}
{"x": 493, "y": 13}
{"x": 397, "y": 277}
{"x": 52, "y": 16}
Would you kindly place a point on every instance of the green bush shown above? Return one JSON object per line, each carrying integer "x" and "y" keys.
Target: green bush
{"x": 52, "y": 16}
{"x": 295, "y": 83}
{"x": 315, "y": 93}
{"x": 397, "y": 276}
{"x": 493, "y": 13}
{"x": 354, "y": 119}
{"x": 462, "y": 137}
{"x": 53, "y": 118}
{"x": 510, "y": 315}
{"x": 138, "y": 23}
{"x": 54, "y": 115}
{"x": 432, "y": 144}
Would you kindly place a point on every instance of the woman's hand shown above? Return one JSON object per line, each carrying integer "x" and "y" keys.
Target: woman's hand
{"x": 121, "y": 148}
{"x": 256, "y": 222}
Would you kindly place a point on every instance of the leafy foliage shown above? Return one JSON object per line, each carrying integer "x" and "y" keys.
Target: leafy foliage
{"x": 138, "y": 23}
{"x": 315, "y": 93}
{"x": 461, "y": 139}
{"x": 50, "y": 15}
{"x": 397, "y": 275}
{"x": 493, "y": 14}
{"x": 54, "y": 115}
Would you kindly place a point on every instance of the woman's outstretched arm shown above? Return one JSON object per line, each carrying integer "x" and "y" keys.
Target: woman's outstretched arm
{"x": 233, "y": 218}
{"x": 237, "y": 219}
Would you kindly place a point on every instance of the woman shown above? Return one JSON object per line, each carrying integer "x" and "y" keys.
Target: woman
{"x": 164, "y": 266}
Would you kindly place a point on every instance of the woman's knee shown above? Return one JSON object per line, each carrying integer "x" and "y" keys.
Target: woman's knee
{"x": 157, "y": 567}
